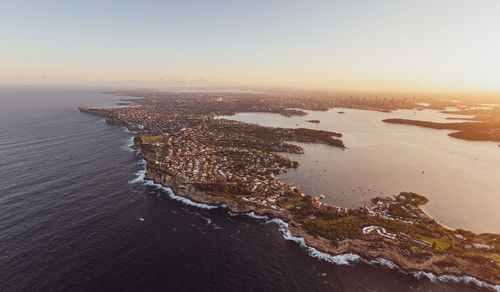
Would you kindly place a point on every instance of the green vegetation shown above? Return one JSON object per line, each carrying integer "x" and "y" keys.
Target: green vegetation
{"x": 336, "y": 229}
{"x": 406, "y": 198}
{"x": 474, "y": 131}
{"x": 151, "y": 139}
{"x": 439, "y": 244}
{"x": 412, "y": 199}
{"x": 227, "y": 190}
{"x": 496, "y": 257}
{"x": 294, "y": 201}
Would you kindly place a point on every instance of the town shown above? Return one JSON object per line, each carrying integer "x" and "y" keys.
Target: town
{"x": 182, "y": 136}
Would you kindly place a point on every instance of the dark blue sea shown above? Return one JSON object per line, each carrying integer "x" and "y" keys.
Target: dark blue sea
{"x": 74, "y": 217}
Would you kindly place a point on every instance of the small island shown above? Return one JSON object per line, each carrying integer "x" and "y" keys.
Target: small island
{"x": 217, "y": 161}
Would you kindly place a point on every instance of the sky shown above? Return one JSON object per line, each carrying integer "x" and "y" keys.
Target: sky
{"x": 394, "y": 46}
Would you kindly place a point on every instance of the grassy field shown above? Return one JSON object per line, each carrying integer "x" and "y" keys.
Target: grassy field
{"x": 440, "y": 243}
{"x": 151, "y": 139}
{"x": 291, "y": 202}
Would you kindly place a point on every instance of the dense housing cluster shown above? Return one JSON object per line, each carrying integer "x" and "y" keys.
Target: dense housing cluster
{"x": 192, "y": 144}
{"x": 181, "y": 134}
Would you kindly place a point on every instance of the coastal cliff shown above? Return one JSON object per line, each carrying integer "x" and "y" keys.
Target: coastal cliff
{"x": 191, "y": 192}
{"x": 410, "y": 261}
{"x": 307, "y": 222}
{"x": 406, "y": 260}
{"x": 472, "y": 131}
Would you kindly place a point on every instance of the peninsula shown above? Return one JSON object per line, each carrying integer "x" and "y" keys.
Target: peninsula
{"x": 473, "y": 131}
{"x": 483, "y": 120}
{"x": 217, "y": 161}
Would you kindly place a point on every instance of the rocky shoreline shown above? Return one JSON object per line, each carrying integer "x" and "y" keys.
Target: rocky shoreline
{"x": 370, "y": 251}
{"x": 471, "y": 131}
{"x": 367, "y": 250}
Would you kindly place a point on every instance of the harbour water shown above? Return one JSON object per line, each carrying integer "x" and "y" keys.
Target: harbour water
{"x": 459, "y": 177}
{"x": 75, "y": 217}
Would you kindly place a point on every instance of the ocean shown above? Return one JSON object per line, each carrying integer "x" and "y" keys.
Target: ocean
{"x": 75, "y": 215}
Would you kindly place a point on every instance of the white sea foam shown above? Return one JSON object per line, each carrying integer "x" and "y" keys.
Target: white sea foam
{"x": 139, "y": 178}
{"x": 130, "y": 140}
{"x": 349, "y": 258}
{"x": 384, "y": 262}
{"x": 184, "y": 200}
{"x": 343, "y": 259}
{"x": 451, "y": 278}
{"x": 253, "y": 215}
{"x": 128, "y": 131}
{"x": 128, "y": 147}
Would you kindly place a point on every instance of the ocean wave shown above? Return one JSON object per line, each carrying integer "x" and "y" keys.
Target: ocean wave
{"x": 130, "y": 140}
{"x": 384, "y": 262}
{"x": 343, "y": 259}
{"x": 140, "y": 178}
{"x": 350, "y": 258}
{"x": 128, "y": 146}
{"x": 253, "y": 215}
{"x": 462, "y": 279}
{"x": 126, "y": 130}
{"x": 184, "y": 200}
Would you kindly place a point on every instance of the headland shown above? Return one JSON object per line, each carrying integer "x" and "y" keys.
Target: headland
{"x": 217, "y": 161}
{"x": 483, "y": 120}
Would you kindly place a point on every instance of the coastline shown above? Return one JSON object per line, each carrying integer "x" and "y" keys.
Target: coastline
{"x": 346, "y": 252}
{"x": 469, "y": 131}
{"x": 319, "y": 247}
